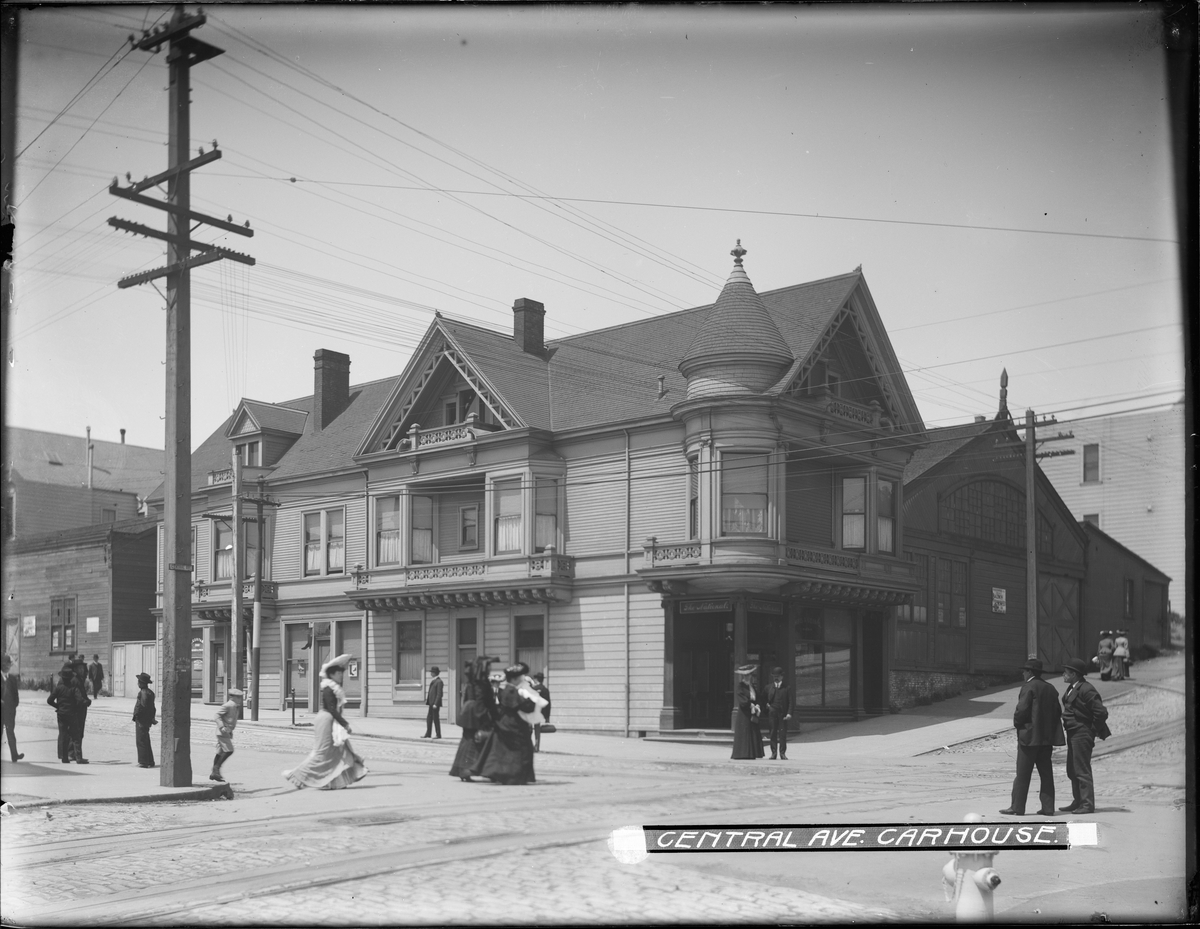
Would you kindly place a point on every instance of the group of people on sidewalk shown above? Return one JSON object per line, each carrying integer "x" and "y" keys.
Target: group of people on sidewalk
{"x": 70, "y": 700}
{"x": 1113, "y": 657}
{"x": 776, "y": 703}
{"x": 501, "y": 727}
{"x": 1043, "y": 722}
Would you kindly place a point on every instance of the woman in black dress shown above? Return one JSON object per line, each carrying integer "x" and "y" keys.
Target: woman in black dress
{"x": 747, "y": 734}
{"x": 507, "y": 755}
{"x": 477, "y": 717}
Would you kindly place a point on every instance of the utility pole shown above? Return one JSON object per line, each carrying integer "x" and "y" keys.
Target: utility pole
{"x": 260, "y": 501}
{"x": 1031, "y": 602}
{"x": 183, "y": 52}
{"x": 237, "y": 646}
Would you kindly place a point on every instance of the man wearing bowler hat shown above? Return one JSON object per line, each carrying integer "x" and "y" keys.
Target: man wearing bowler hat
{"x": 1084, "y": 717}
{"x": 1038, "y": 721}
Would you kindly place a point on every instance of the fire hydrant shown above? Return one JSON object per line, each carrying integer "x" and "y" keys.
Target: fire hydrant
{"x": 969, "y": 879}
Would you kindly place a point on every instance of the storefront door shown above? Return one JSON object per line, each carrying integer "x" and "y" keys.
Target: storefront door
{"x": 468, "y": 638}
{"x": 703, "y": 668}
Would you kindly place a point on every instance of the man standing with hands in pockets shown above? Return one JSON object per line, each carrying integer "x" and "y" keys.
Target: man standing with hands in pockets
{"x": 779, "y": 706}
{"x": 1084, "y": 718}
{"x": 1038, "y": 721}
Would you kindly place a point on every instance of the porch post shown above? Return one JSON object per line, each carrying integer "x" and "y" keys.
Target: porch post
{"x": 669, "y": 715}
{"x": 739, "y": 650}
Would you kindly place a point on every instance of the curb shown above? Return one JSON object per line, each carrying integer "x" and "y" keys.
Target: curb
{"x": 214, "y": 792}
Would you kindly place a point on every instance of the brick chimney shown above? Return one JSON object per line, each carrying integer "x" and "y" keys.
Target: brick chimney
{"x": 331, "y": 386}
{"x": 529, "y": 319}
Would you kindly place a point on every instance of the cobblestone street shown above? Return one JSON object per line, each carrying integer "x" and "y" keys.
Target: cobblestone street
{"x": 412, "y": 845}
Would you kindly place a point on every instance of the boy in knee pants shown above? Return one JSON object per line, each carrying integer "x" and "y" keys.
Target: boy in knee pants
{"x": 227, "y": 717}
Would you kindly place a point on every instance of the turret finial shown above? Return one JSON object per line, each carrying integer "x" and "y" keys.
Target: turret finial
{"x": 1003, "y": 391}
{"x": 737, "y": 253}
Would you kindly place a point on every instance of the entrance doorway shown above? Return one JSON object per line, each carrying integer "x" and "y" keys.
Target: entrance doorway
{"x": 704, "y": 669}
{"x": 468, "y": 650}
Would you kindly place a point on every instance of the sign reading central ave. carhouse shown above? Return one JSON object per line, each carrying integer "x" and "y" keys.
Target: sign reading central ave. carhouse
{"x": 877, "y": 837}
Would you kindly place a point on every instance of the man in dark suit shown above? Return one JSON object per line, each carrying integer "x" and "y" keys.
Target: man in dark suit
{"x": 779, "y": 708}
{"x": 433, "y": 700}
{"x": 1084, "y": 717}
{"x": 1038, "y": 721}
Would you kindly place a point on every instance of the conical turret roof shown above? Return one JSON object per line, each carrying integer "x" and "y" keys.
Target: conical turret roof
{"x": 738, "y": 329}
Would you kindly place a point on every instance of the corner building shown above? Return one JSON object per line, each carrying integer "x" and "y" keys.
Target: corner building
{"x": 637, "y": 510}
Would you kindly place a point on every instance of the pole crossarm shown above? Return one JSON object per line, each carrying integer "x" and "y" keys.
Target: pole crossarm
{"x": 228, "y": 226}
{"x": 1055, "y": 453}
{"x": 216, "y": 254}
{"x": 200, "y": 160}
{"x": 178, "y": 27}
{"x": 139, "y": 229}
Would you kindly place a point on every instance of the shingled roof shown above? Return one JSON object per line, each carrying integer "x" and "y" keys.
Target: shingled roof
{"x": 52, "y": 458}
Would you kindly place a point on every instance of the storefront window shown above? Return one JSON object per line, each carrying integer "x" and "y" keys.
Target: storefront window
{"x": 824, "y": 657}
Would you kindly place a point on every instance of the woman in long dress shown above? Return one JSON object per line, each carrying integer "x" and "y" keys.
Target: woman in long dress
{"x": 507, "y": 755}
{"x": 747, "y": 734}
{"x": 1104, "y": 655}
{"x": 332, "y": 764}
{"x": 477, "y": 717}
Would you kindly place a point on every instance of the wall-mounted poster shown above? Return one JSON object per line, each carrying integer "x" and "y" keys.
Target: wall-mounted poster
{"x": 352, "y": 667}
{"x": 93, "y": 624}
{"x": 28, "y": 626}
{"x": 999, "y": 600}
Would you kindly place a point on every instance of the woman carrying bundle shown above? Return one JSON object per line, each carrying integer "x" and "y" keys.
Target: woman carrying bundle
{"x": 477, "y": 716}
{"x": 507, "y": 755}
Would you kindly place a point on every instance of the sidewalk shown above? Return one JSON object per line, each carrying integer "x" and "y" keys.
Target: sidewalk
{"x": 41, "y": 779}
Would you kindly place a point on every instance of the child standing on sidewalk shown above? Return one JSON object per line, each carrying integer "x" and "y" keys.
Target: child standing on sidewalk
{"x": 227, "y": 718}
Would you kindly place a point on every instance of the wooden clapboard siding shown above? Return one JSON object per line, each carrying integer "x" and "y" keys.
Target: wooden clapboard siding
{"x": 287, "y": 555}
{"x": 437, "y": 640}
{"x": 809, "y": 505}
{"x": 658, "y": 496}
{"x": 587, "y": 660}
{"x": 997, "y": 639}
{"x": 497, "y": 633}
{"x": 595, "y": 507}
{"x": 379, "y": 648}
{"x": 270, "y": 664}
{"x": 448, "y": 535}
{"x": 645, "y": 660}
{"x": 356, "y": 533}
{"x": 132, "y": 573}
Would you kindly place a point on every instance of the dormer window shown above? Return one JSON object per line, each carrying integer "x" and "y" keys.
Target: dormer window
{"x": 249, "y": 454}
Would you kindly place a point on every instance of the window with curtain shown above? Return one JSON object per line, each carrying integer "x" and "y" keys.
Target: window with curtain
{"x": 335, "y": 543}
{"x": 854, "y": 512}
{"x": 530, "y": 634}
{"x": 324, "y": 542}
{"x": 885, "y": 502}
{"x": 743, "y": 494}
{"x": 1091, "y": 464}
{"x": 387, "y": 530}
{"x": 252, "y": 544}
{"x": 508, "y": 517}
{"x": 422, "y": 530}
{"x": 546, "y": 513}
{"x": 222, "y": 533}
{"x": 410, "y": 656}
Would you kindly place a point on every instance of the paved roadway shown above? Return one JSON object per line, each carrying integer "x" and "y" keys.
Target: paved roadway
{"x": 411, "y": 845}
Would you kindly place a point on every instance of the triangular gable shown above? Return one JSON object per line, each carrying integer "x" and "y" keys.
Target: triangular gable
{"x": 253, "y": 416}
{"x": 438, "y": 352}
{"x": 244, "y": 423}
{"x": 857, "y": 320}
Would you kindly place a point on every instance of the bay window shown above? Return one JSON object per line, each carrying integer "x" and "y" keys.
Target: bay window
{"x": 886, "y": 509}
{"x": 468, "y": 527}
{"x": 387, "y": 530}
{"x": 854, "y": 512}
{"x": 507, "y": 517}
{"x": 743, "y": 494}
{"x": 545, "y": 514}
{"x": 422, "y": 530}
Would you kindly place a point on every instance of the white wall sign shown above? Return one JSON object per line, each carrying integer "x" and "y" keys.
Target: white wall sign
{"x": 28, "y": 626}
{"x": 93, "y": 624}
{"x": 999, "y": 600}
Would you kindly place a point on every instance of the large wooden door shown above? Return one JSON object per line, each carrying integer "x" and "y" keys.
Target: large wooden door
{"x": 704, "y": 670}
{"x": 1058, "y": 619}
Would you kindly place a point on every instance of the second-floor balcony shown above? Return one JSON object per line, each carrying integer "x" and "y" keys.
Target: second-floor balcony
{"x": 542, "y": 578}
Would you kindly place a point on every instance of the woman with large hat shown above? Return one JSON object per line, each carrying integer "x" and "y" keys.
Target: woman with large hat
{"x": 477, "y": 716}
{"x": 507, "y": 755}
{"x": 332, "y": 764}
{"x": 747, "y": 734}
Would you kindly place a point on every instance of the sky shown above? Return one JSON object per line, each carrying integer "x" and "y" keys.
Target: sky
{"x": 1001, "y": 173}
